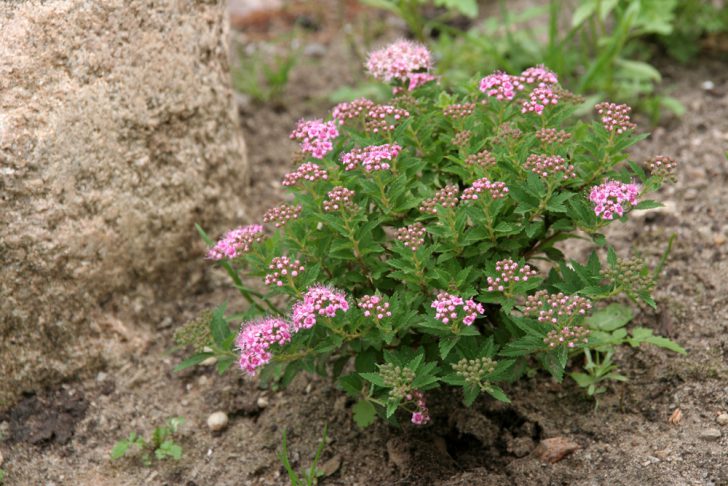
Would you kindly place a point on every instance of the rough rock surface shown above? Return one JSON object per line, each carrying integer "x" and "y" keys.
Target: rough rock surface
{"x": 117, "y": 133}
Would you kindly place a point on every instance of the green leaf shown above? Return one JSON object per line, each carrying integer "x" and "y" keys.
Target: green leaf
{"x": 610, "y": 318}
{"x": 523, "y": 346}
{"x": 497, "y": 393}
{"x": 120, "y": 449}
{"x": 470, "y": 393}
{"x": 351, "y": 384}
{"x": 585, "y": 10}
{"x": 193, "y": 360}
{"x": 219, "y": 326}
{"x": 364, "y": 413}
{"x": 446, "y": 344}
{"x": 375, "y": 378}
{"x": 663, "y": 342}
{"x": 648, "y": 204}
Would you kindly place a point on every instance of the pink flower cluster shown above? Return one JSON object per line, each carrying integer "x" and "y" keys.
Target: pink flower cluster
{"x": 539, "y": 75}
{"x": 339, "y": 198}
{"x": 546, "y": 166}
{"x": 501, "y": 86}
{"x": 552, "y": 308}
{"x": 256, "y": 338}
{"x": 282, "y": 214}
{"x": 307, "y": 172}
{"x": 539, "y": 99}
{"x": 482, "y": 159}
{"x": 609, "y": 198}
{"x": 509, "y": 272}
{"x": 318, "y": 301}
{"x": 446, "y": 197}
{"x": 413, "y": 236}
{"x": 496, "y": 189}
{"x": 418, "y": 79}
{"x": 570, "y": 336}
{"x": 615, "y": 117}
{"x": 451, "y": 309}
{"x": 399, "y": 60}
{"x": 421, "y": 416}
{"x": 283, "y": 267}
{"x": 314, "y": 136}
{"x": 459, "y": 110}
{"x": 374, "y": 157}
{"x": 384, "y": 118}
{"x": 236, "y": 242}
{"x": 350, "y": 110}
{"x": 374, "y": 306}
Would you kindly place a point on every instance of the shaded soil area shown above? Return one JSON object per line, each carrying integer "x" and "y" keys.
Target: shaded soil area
{"x": 63, "y": 436}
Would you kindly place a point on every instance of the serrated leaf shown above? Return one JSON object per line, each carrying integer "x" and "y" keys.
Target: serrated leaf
{"x": 497, "y": 393}
{"x": 218, "y": 326}
{"x": 375, "y": 378}
{"x": 666, "y": 343}
{"x": 470, "y": 393}
{"x": 612, "y": 317}
{"x": 193, "y": 360}
{"x": 446, "y": 344}
{"x": 364, "y": 413}
{"x": 120, "y": 449}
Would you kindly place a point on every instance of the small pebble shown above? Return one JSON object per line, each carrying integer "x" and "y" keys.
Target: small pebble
{"x": 723, "y": 419}
{"x": 262, "y": 401}
{"x": 710, "y": 434}
{"x": 1, "y": 459}
{"x": 101, "y": 377}
{"x": 707, "y": 85}
{"x": 217, "y": 421}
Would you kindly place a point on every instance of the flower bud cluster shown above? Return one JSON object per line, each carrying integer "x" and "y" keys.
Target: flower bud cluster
{"x": 462, "y": 138}
{"x": 630, "y": 273}
{"x": 615, "y": 117}
{"x": 283, "y": 267}
{"x": 548, "y": 165}
{"x": 236, "y": 242}
{"x": 556, "y": 308}
{"x": 452, "y": 309}
{"x": 413, "y": 236}
{"x": 346, "y": 111}
{"x": 570, "y": 336}
{"x": 282, "y": 214}
{"x": 446, "y": 197}
{"x": 422, "y": 415}
{"x": 539, "y": 99}
{"x": 374, "y": 157}
{"x": 509, "y": 273}
{"x": 318, "y": 301}
{"x": 496, "y": 189}
{"x": 473, "y": 370}
{"x": 501, "y": 86}
{"x": 552, "y": 135}
{"x": 315, "y": 136}
{"x": 612, "y": 197}
{"x": 307, "y": 172}
{"x": 339, "y": 198}
{"x": 663, "y": 166}
{"x": 398, "y": 61}
{"x": 397, "y": 378}
{"x": 196, "y": 332}
{"x": 507, "y": 132}
{"x": 483, "y": 159}
{"x": 384, "y": 118}
{"x": 256, "y": 338}
{"x": 375, "y": 307}
{"x": 459, "y": 110}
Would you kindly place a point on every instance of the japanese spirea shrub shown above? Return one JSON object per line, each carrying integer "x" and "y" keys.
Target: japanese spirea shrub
{"x": 418, "y": 249}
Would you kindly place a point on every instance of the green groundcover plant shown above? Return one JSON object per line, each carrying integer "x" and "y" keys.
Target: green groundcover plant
{"x": 419, "y": 249}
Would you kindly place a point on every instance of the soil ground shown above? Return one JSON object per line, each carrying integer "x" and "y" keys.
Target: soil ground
{"x": 63, "y": 436}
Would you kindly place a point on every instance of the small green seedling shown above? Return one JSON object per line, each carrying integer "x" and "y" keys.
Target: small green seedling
{"x": 310, "y": 475}
{"x": 160, "y": 445}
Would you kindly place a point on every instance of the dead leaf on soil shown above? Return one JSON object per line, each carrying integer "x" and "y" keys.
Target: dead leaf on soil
{"x": 676, "y": 417}
{"x": 555, "y": 449}
{"x": 331, "y": 466}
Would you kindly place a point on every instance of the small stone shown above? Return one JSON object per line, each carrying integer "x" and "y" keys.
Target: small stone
{"x": 676, "y": 417}
{"x": 209, "y": 361}
{"x": 314, "y": 49}
{"x": 719, "y": 239}
{"x": 101, "y": 377}
{"x": 710, "y": 434}
{"x": 262, "y": 401}
{"x": 722, "y": 419}
{"x": 2, "y": 459}
{"x": 331, "y": 466}
{"x": 707, "y": 85}
{"x": 555, "y": 449}
{"x": 217, "y": 421}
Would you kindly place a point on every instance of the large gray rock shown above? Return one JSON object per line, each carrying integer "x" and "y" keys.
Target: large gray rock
{"x": 117, "y": 133}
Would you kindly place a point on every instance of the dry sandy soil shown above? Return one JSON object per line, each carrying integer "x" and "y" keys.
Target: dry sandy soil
{"x": 63, "y": 436}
